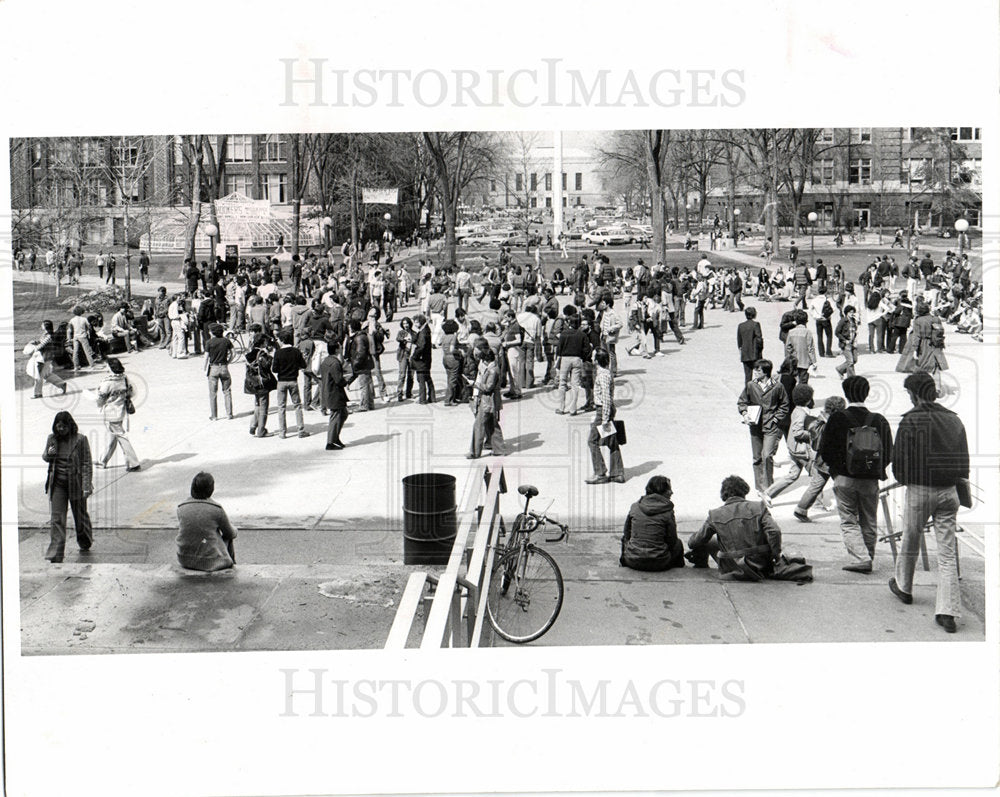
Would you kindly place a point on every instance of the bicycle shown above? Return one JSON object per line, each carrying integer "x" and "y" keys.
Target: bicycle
{"x": 525, "y": 591}
{"x": 239, "y": 350}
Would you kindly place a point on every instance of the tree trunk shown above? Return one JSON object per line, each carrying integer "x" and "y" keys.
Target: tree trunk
{"x": 450, "y": 211}
{"x": 354, "y": 208}
{"x": 193, "y": 221}
{"x": 128, "y": 259}
{"x": 658, "y": 211}
{"x": 296, "y": 219}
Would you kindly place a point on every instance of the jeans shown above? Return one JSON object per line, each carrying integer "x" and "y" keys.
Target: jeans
{"x": 308, "y": 380}
{"x": 857, "y": 503}
{"x": 897, "y": 340}
{"x": 515, "y": 360}
{"x": 366, "y": 390}
{"x": 261, "y": 404}
{"x": 286, "y": 390}
{"x": 795, "y": 469}
{"x": 177, "y": 340}
{"x": 846, "y": 368}
{"x": 824, "y": 328}
{"x": 570, "y": 371}
{"x": 217, "y": 374}
{"x": 748, "y": 370}
{"x": 425, "y": 388}
{"x": 82, "y": 345}
{"x": 117, "y": 431}
{"x": 876, "y": 335}
{"x": 404, "y": 387}
{"x": 59, "y": 503}
{"x": 453, "y": 379}
{"x": 615, "y": 468}
{"x": 45, "y": 375}
{"x": 699, "y": 315}
{"x": 817, "y": 481}
{"x": 941, "y": 503}
{"x": 763, "y": 445}
{"x": 528, "y": 365}
{"x": 486, "y": 427}
{"x": 163, "y": 326}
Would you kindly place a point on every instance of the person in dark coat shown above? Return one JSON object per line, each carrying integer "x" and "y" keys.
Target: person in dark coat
{"x": 750, "y": 341}
{"x": 420, "y": 361}
{"x": 205, "y": 538}
{"x": 334, "y": 396}
{"x": 69, "y": 483}
{"x": 650, "y": 538}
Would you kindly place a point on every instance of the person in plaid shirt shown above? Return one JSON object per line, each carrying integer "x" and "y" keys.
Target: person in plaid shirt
{"x": 604, "y": 399}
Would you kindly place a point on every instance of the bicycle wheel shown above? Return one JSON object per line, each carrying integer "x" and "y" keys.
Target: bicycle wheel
{"x": 525, "y": 594}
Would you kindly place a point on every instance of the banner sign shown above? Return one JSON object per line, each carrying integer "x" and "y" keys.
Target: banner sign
{"x": 380, "y": 196}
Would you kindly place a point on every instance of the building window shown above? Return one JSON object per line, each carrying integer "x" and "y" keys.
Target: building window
{"x": 36, "y": 155}
{"x": 578, "y": 181}
{"x": 64, "y": 194}
{"x": 534, "y": 202}
{"x": 240, "y": 149}
{"x": 548, "y": 183}
{"x": 273, "y": 187}
{"x": 564, "y": 198}
{"x": 826, "y": 135}
{"x": 964, "y": 133}
{"x": 94, "y": 192}
{"x": 564, "y": 182}
{"x": 518, "y": 182}
{"x": 274, "y": 149}
{"x": 860, "y": 172}
{"x": 90, "y": 153}
{"x": 178, "y": 151}
{"x": 493, "y": 186}
{"x": 823, "y": 172}
{"x": 862, "y": 135}
{"x": 534, "y": 181}
{"x": 238, "y": 184}
{"x": 548, "y": 199}
{"x": 126, "y": 155}
{"x": 914, "y": 170}
{"x": 971, "y": 171}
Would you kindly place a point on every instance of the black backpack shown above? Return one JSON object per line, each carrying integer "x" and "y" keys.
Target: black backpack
{"x": 258, "y": 374}
{"x": 827, "y": 308}
{"x": 864, "y": 450}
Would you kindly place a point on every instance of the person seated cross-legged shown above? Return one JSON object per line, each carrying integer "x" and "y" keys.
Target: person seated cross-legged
{"x": 650, "y": 539}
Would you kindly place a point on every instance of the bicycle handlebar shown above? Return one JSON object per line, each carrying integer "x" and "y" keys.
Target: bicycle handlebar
{"x": 541, "y": 520}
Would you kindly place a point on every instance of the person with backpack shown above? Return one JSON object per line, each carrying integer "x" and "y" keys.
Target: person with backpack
{"x": 819, "y": 473}
{"x": 821, "y": 310}
{"x": 857, "y": 446}
{"x": 259, "y": 382}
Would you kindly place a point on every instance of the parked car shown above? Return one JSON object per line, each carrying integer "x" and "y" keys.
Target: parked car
{"x": 486, "y": 239}
{"x": 607, "y": 237}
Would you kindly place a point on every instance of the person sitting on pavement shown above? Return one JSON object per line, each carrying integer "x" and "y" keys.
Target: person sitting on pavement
{"x": 205, "y": 540}
{"x": 650, "y": 539}
{"x": 744, "y": 540}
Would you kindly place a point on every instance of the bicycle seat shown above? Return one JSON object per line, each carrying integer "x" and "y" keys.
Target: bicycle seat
{"x": 528, "y": 490}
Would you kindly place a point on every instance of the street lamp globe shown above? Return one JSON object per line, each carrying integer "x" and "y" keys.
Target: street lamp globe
{"x": 961, "y": 225}
{"x": 211, "y": 230}
{"x": 812, "y": 217}
{"x": 387, "y": 216}
{"x": 327, "y": 221}
{"x": 736, "y": 212}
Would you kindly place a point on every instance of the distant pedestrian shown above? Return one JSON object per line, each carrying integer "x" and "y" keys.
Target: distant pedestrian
{"x": 334, "y": 395}
{"x": 801, "y": 345}
{"x": 112, "y": 265}
{"x": 41, "y": 363}
{"x": 286, "y": 365}
{"x": 930, "y": 457}
{"x": 486, "y": 403}
{"x": 69, "y": 483}
{"x": 750, "y": 342}
{"x": 205, "y": 539}
{"x": 420, "y": 360}
{"x": 847, "y": 334}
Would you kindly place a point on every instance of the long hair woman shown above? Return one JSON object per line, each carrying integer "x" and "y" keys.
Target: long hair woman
{"x": 70, "y": 482}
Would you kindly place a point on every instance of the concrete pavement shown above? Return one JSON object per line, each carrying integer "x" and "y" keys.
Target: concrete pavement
{"x": 308, "y": 516}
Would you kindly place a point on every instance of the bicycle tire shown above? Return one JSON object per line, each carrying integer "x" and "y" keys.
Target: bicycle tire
{"x": 529, "y": 610}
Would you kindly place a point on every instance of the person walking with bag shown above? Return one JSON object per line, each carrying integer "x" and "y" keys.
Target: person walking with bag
{"x": 259, "y": 382}
{"x": 69, "y": 483}
{"x": 604, "y": 400}
{"x": 114, "y": 398}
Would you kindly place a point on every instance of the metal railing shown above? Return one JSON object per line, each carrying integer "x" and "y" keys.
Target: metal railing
{"x": 455, "y": 600}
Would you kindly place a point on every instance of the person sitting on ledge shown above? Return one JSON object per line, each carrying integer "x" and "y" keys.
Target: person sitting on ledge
{"x": 650, "y": 539}
{"x": 747, "y": 541}
{"x": 205, "y": 541}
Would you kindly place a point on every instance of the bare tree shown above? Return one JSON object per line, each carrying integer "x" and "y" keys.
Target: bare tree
{"x": 460, "y": 158}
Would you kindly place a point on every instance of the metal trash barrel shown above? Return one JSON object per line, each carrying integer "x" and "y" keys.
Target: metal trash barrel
{"x": 429, "y": 522}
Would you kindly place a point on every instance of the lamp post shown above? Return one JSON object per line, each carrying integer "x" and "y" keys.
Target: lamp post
{"x": 211, "y": 231}
{"x": 385, "y": 235}
{"x": 736, "y": 228}
{"x": 327, "y": 224}
{"x": 812, "y": 237}
{"x": 961, "y": 225}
